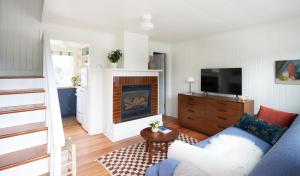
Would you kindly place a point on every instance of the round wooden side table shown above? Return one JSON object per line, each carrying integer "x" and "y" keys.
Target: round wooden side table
{"x": 159, "y": 138}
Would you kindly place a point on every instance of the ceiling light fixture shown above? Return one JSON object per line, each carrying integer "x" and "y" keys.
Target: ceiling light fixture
{"x": 147, "y": 25}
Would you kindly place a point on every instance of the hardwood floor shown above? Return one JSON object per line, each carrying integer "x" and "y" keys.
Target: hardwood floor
{"x": 89, "y": 148}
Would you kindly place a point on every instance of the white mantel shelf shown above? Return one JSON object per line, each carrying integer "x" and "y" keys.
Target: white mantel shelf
{"x": 131, "y": 70}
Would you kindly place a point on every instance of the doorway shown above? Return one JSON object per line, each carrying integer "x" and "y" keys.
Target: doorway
{"x": 160, "y": 64}
{"x": 70, "y": 61}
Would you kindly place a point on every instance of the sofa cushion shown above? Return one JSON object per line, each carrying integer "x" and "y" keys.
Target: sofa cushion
{"x": 284, "y": 157}
{"x": 266, "y": 131}
{"x": 264, "y": 146}
{"x": 280, "y": 118}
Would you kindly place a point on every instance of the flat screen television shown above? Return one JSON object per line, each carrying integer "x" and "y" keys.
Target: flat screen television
{"x": 222, "y": 80}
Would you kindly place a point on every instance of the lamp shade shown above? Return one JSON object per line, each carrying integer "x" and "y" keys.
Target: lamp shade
{"x": 190, "y": 79}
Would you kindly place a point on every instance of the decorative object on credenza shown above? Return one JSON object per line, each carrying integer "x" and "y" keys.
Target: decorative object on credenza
{"x": 287, "y": 72}
{"x": 151, "y": 63}
{"x": 154, "y": 126}
{"x": 114, "y": 57}
{"x": 243, "y": 98}
{"x": 190, "y": 80}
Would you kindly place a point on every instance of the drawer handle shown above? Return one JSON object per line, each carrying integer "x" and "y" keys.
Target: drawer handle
{"x": 220, "y": 117}
{"x": 190, "y": 118}
{"x": 221, "y": 110}
{"x": 191, "y": 104}
{"x": 190, "y": 110}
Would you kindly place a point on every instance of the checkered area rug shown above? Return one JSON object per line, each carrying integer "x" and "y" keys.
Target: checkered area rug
{"x": 133, "y": 160}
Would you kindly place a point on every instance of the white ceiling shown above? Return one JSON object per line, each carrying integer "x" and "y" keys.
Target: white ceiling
{"x": 174, "y": 20}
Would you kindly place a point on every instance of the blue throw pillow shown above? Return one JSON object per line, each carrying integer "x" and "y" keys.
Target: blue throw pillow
{"x": 262, "y": 129}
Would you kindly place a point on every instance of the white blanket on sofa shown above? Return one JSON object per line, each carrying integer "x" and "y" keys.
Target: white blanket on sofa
{"x": 226, "y": 155}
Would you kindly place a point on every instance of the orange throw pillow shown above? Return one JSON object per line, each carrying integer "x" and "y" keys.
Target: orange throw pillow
{"x": 280, "y": 118}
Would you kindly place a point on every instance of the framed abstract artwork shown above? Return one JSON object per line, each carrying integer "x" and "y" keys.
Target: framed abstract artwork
{"x": 287, "y": 72}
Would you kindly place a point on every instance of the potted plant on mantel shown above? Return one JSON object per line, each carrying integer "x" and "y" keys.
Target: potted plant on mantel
{"x": 154, "y": 126}
{"x": 114, "y": 57}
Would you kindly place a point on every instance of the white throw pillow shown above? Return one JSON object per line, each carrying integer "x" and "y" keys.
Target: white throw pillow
{"x": 226, "y": 155}
{"x": 237, "y": 149}
{"x": 209, "y": 162}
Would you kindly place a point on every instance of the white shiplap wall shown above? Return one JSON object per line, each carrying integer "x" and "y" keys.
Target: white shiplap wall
{"x": 255, "y": 50}
{"x": 20, "y": 43}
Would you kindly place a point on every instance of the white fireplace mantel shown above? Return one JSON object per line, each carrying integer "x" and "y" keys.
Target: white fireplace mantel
{"x": 133, "y": 72}
{"x": 119, "y": 131}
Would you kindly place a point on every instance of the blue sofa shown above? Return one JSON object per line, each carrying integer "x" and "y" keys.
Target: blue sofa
{"x": 281, "y": 159}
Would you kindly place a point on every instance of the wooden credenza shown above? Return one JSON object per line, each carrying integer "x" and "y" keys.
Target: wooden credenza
{"x": 210, "y": 114}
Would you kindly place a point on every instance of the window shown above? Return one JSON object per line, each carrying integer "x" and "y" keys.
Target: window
{"x": 64, "y": 69}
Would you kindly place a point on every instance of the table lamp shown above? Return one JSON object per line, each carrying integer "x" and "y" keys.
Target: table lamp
{"x": 190, "y": 80}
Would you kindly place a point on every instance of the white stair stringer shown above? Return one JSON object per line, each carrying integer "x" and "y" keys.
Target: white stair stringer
{"x": 20, "y": 118}
{"x": 34, "y": 168}
{"x": 20, "y": 142}
{"x": 22, "y": 99}
{"x": 13, "y": 84}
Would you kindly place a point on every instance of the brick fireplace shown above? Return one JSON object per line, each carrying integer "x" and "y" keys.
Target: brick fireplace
{"x": 134, "y": 97}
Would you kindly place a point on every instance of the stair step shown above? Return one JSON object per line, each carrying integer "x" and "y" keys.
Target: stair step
{"x": 22, "y": 129}
{"x": 21, "y": 108}
{"x": 23, "y": 156}
{"x": 20, "y": 77}
{"x": 21, "y": 91}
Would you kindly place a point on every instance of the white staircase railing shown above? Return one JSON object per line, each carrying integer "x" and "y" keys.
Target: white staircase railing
{"x": 56, "y": 138}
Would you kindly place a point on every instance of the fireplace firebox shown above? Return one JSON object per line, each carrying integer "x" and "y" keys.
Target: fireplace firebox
{"x": 136, "y": 102}
{"x": 145, "y": 103}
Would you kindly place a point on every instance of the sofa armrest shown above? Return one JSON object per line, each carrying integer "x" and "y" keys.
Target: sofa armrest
{"x": 284, "y": 157}
{"x": 165, "y": 168}
{"x": 168, "y": 166}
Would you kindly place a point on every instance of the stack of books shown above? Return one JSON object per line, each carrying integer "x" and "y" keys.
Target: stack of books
{"x": 164, "y": 130}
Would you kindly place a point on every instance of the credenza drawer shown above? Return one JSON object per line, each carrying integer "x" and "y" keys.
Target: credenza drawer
{"x": 200, "y": 124}
{"x": 193, "y": 111}
{"x": 225, "y": 105}
{"x": 223, "y": 110}
{"x": 192, "y": 102}
{"x": 188, "y": 120}
{"x": 224, "y": 118}
{"x": 210, "y": 127}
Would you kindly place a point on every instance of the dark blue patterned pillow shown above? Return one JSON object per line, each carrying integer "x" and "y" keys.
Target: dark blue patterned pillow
{"x": 262, "y": 129}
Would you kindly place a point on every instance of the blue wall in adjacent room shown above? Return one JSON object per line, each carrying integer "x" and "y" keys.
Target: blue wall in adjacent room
{"x": 67, "y": 101}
